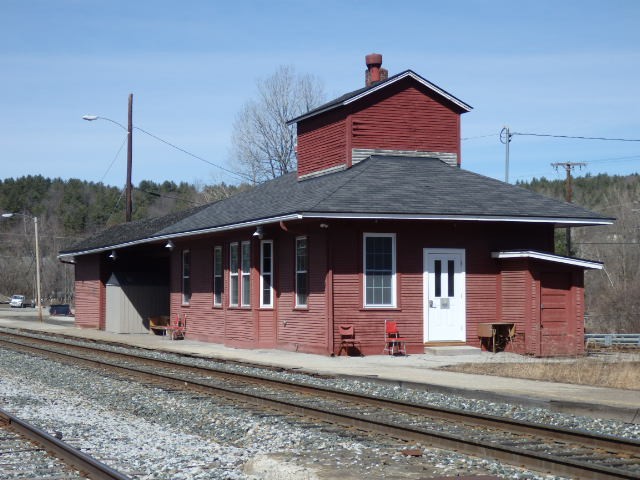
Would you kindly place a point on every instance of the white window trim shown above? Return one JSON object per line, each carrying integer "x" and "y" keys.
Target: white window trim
{"x": 220, "y": 277}
{"x": 301, "y": 305}
{"x": 244, "y": 274}
{"x": 186, "y": 301}
{"x": 394, "y": 295}
{"x": 262, "y": 273}
{"x": 234, "y": 274}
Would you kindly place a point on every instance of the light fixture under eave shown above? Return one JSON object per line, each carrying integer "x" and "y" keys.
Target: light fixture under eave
{"x": 170, "y": 246}
{"x": 113, "y": 255}
{"x": 258, "y": 233}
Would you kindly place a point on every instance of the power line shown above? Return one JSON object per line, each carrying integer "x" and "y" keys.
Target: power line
{"x": 236, "y": 174}
{"x": 480, "y": 136}
{"x": 156, "y": 194}
{"x": 577, "y": 137}
{"x": 124, "y": 140}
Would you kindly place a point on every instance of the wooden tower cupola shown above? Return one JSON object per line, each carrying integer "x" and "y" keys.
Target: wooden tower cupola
{"x": 404, "y": 114}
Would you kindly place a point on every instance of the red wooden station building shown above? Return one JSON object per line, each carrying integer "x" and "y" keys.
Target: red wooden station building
{"x": 379, "y": 223}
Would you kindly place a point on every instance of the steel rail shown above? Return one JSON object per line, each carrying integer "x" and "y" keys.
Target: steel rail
{"x": 536, "y": 461}
{"x": 82, "y": 462}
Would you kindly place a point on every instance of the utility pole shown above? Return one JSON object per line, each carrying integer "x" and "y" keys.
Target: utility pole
{"x": 568, "y": 192}
{"x": 129, "y": 206}
{"x": 505, "y": 137}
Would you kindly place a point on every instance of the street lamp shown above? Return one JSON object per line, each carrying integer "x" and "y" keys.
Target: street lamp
{"x": 35, "y": 226}
{"x": 129, "y": 130}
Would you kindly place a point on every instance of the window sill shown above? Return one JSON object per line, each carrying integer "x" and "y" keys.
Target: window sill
{"x": 380, "y": 309}
{"x": 301, "y": 309}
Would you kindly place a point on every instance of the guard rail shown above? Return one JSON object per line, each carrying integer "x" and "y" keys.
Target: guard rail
{"x": 610, "y": 339}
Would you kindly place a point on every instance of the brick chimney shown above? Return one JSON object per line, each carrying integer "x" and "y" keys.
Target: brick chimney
{"x": 374, "y": 72}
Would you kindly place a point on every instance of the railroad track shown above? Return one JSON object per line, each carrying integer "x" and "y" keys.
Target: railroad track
{"x": 28, "y": 452}
{"x": 536, "y": 447}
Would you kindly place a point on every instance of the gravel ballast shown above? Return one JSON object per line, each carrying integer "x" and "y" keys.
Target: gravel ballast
{"x": 152, "y": 433}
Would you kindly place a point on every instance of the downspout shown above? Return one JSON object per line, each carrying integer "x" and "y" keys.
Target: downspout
{"x": 329, "y": 295}
{"x": 284, "y": 227}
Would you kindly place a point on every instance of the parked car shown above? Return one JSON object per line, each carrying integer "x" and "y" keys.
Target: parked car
{"x": 17, "y": 301}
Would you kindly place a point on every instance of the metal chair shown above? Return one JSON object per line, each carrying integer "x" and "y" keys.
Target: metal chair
{"x": 348, "y": 339}
{"x": 178, "y": 329}
{"x": 393, "y": 342}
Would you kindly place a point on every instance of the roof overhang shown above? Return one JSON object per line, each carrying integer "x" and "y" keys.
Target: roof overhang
{"x": 548, "y": 257}
{"x": 397, "y": 78}
{"x": 560, "y": 222}
{"x": 341, "y": 216}
{"x": 158, "y": 238}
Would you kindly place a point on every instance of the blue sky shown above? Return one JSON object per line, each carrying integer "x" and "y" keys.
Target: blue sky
{"x": 552, "y": 67}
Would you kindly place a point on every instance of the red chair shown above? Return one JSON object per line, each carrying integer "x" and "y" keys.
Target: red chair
{"x": 393, "y": 342}
{"x": 178, "y": 329}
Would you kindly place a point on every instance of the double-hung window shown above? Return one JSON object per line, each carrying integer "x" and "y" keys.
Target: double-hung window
{"x": 266, "y": 273}
{"x": 302, "y": 272}
{"x": 379, "y": 252}
{"x": 245, "y": 272}
{"x": 234, "y": 287}
{"x": 218, "y": 281}
{"x": 186, "y": 277}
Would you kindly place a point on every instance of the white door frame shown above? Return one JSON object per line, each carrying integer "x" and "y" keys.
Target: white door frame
{"x": 461, "y": 334}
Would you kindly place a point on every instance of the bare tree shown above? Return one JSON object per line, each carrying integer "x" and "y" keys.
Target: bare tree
{"x": 263, "y": 144}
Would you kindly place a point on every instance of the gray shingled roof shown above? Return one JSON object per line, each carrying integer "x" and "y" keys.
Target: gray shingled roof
{"x": 381, "y": 186}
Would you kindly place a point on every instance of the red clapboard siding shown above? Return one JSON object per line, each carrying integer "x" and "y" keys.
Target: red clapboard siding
{"x": 321, "y": 143}
{"x": 515, "y": 281}
{"x": 302, "y": 329}
{"x": 407, "y": 120}
{"x": 89, "y": 292}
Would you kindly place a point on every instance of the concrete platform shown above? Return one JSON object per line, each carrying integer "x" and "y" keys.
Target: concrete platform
{"x": 452, "y": 350}
{"x": 417, "y": 371}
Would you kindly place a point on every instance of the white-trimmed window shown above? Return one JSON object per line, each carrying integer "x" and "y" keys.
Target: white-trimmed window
{"x": 379, "y": 252}
{"x": 218, "y": 279}
{"x": 186, "y": 277}
{"x": 245, "y": 272}
{"x": 234, "y": 286}
{"x": 266, "y": 273}
{"x": 302, "y": 272}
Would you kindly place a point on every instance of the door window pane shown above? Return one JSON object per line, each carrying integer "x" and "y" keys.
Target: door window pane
{"x": 437, "y": 269}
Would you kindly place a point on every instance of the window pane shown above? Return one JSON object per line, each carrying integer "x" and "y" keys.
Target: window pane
{"x": 246, "y": 289}
{"x": 217, "y": 290}
{"x": 266, "y": 289}
{"x": 186, "y": 280}
{"x": 302, "y": 274}
{"x": 301, "y": 291}
{"x": 246, "y": 257}
{"x": 379, "y": 270}
{"x": 233, "y": 274}
{"x": 217, "y": 261}
{"x": 437, "y": 266}
{"x": 233, "y": 258}
{"x": 266, "y": 273}
{"x": 233, "y": 290}
{"x": 217, "y": 276}
{"x": 451, "y": 276}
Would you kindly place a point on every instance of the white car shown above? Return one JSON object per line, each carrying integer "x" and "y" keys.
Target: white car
{"x": 17, "y": 301}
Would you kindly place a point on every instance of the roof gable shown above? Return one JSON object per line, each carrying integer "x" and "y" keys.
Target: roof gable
{"x": 366, "y": 91}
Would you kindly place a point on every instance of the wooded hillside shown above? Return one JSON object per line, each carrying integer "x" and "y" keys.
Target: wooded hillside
{"x": 68, "y": 210}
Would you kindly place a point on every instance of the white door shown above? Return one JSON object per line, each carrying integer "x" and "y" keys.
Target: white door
{"x": 444, "y": 295}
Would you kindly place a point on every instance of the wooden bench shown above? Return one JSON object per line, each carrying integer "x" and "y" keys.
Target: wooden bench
{"x": 159, "y": 324}
{"x": 500, "y": 334}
